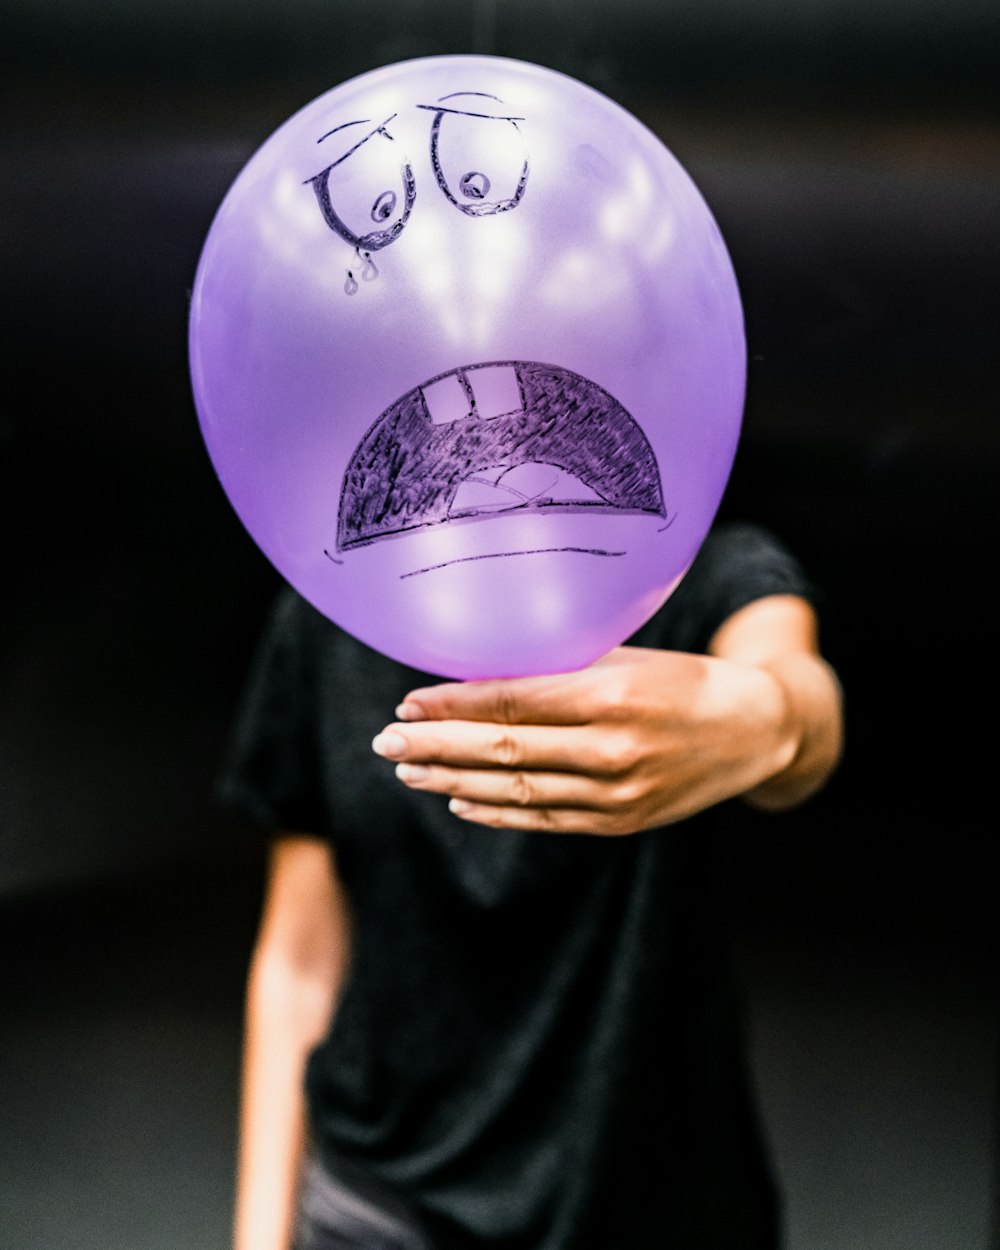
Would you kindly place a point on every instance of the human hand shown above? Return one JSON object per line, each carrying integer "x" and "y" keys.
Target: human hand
{"x": 640, "y": 738}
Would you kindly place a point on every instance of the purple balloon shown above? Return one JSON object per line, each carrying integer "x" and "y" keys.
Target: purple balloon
{"x": 468, "y": 356}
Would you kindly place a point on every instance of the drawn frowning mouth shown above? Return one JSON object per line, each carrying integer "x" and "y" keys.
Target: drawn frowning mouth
{"x": 494, "y": 439}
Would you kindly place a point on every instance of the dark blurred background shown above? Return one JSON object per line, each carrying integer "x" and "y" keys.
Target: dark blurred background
{"x": 851, "y": 154}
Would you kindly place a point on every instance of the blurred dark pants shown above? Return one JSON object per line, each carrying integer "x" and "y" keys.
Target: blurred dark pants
{"x": 350, "y": 1210}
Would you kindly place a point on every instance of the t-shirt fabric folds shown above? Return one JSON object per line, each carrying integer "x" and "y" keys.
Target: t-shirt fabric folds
{"x": 539, "y": 1044}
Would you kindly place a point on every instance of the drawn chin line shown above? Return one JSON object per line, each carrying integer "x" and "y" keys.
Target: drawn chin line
{"x": 503, "y": 555}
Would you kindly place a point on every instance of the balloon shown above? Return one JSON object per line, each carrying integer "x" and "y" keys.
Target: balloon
{"x": 468, "y": 356}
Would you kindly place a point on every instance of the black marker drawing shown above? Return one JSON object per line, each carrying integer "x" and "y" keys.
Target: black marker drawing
{"x": 354, "y": 207}
{"x": 474, "y": 191}
{"x": 501, "y": 555}
{"x": 348, "y": 200}
{"x": 496, "y": 438}
{"x": 368, "y": 274}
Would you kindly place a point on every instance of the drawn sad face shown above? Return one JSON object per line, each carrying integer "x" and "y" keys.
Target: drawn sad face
{"x": 488, "y": 440}
{"x": 451, "y": 325}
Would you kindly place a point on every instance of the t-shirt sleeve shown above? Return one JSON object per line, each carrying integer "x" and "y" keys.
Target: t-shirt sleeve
{"x": 737, "y": 564}
{"x": 269, "y": 770}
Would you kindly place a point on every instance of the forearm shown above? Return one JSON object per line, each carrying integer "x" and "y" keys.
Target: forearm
{"x": 286, "y": 1015}
{"x": 813, "y": 725}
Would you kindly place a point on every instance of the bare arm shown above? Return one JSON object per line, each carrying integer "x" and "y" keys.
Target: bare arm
{"x": 295, "y": 975}
{"x": 639, "y": 739}
{"x": 780, "y": 636}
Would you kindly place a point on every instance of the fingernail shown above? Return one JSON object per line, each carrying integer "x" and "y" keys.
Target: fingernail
{"x": 410, "y": 711}
{"x": 458, "y": 807}
{"x": 391, "y": 745}
{"x": 411, "y": 773}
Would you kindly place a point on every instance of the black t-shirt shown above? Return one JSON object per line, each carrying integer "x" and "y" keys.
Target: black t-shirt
{"x": 539, "y": 1040}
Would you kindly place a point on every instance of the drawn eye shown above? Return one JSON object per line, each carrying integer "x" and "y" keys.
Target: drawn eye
{"x": 384, "y": 207}
{"x": 479, "y": 159}
{"x": 474, "y": 185}
{"x": 371, "y": 182}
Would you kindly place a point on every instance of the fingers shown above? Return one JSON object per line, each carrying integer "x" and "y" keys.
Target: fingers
{"x": 535, "y": 820}
{"x": 471, "y": 744}
{"x": 540, "y": 800}
{"x": 605, "y": 822}
{"x": 561, "y": 753}
{"x": 507, "y": 787}
{"x": 561, "y": 699}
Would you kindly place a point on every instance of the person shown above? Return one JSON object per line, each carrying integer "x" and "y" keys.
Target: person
{"x": 491, "y": 1000}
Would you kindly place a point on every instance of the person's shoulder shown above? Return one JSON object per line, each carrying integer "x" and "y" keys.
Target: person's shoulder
{"x": 734, "y": 546}
{"x": 748, "y": 555}
{"x": 293, "y": 620}
{"x": 738, "y": 561}
{"x": 325, "y": 650}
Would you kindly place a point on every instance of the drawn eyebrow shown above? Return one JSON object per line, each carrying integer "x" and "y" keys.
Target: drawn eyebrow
{"x": 441, "y": 108}
{"x": 486, "y": 95}
{"x": 380, "y": 129}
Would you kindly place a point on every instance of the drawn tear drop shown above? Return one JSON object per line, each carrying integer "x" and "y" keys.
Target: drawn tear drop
{"x": 351, "y": 285}
{"x": 370, "y": 271}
